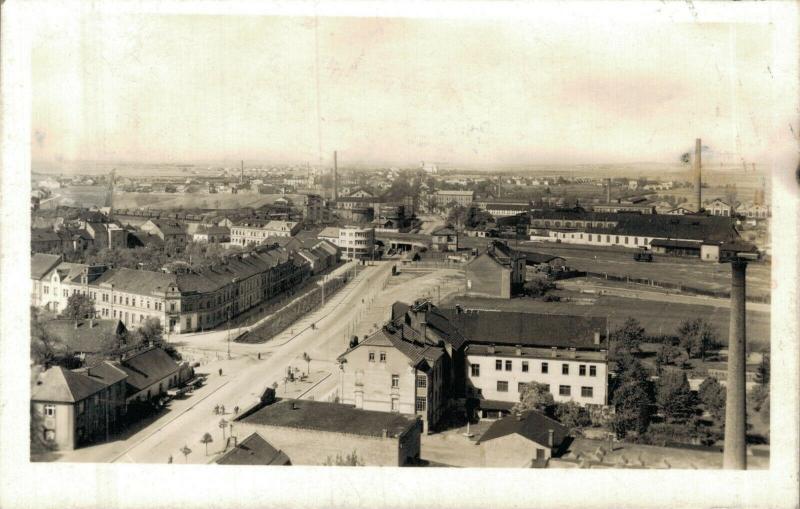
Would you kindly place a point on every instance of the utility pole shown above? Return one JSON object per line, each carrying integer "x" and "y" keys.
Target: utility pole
{"x": 229, "y": 333}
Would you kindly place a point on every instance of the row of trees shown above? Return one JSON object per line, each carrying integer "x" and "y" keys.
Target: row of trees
{"x": 153, "y": 257}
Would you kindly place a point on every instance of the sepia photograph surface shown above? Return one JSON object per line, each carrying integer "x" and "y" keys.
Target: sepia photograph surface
{"x": 514, "y": 242}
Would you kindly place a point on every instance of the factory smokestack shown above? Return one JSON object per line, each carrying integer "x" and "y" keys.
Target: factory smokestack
{"x": 335, "y": 176}
{"x": 735, "y": 452}
{"x": 608, "y": 190}
{"x": 241, "y": 178}
{"x": 697, "y": 174}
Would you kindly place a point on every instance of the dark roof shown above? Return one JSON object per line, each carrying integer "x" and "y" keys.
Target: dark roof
{"x": 447, "y": 230}
{"x": 44, "y": 235}
{"x": 85, "y": 336}
{"x": 420, "y": 353}
{"x": 532, "y": 425}
{"x": 494, "y": 404}
{"x": 148, "y": 367}
{"x": 253, "y": 450}
{"x": 104, "y": 372}
{"x": 168, "y": 227}
{"x": 61, "y": 385}
{"x": 399, "y": 309}
{"x": 42, "y": 263}
{"x": 213, "y": 230}
{"x": 331, "y": 417}
{"x": 527, "y": 329}
{"x": 536, "y": 258}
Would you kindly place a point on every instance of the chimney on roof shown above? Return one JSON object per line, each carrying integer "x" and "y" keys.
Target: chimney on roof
{"x": 76, "y": 323}
{"x": 550, "y": 438}
{"x": 385, "y": 433}
{"x": 554, "y": 351}
{"x": 518, "y": 350}
{"x": 596, "y": 338}
{"x": 490, "y": 348}
{"x": 518, "y": 415}
{"x": 294, "y": 405}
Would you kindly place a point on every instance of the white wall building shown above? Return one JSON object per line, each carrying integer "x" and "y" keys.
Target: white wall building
{"x": 353, "y": 241}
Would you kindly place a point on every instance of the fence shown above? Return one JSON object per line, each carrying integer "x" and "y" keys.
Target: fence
{"x": 432, "y": 265}
{"x": 720, "y": 294}
{"x": 292, "y": 312}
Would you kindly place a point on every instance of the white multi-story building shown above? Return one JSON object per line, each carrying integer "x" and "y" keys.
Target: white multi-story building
{"x": 257, "y": 232}
{"x": 355, "y": 243}
{"x": 502, "y": 372}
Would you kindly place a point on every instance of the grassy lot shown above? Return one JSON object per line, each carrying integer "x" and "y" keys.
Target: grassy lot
{"x": 194, "y": 200}
{"x": 657, "y": 317}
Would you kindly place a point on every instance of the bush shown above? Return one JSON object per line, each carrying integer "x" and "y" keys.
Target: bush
{"x": 572, "y": 415}
{"x": 712, "y": 394}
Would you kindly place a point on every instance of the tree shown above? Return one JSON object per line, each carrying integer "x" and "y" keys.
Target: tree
{"x": 458, "y": 215}
{"x": 698, "y": 337}
{"x": 351, "y": 460}
{"x": 149, "y": 331}
{"x": 572, "y": 415}
{"x": 633, "y": 409}
{"x": 535, "y": 396}
{"x": 47, "y": 349}
{"x": 671, "y": 354}
{"x": 307, "y": 358}
{"x": 712, "y": 395}
{"x": 207, "y": 439}
{"x": 186, "y": 452}
{"x": 629, "y": 336}
{"x": 763, "y": 372}
{"x": 78, "y": 307}
{"x": 538, "y": 287}
{"x": 674, "y": 397}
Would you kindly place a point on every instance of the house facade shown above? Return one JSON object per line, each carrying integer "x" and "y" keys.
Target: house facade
{"x": 499, "y": 272}
{"x": 445, "y": 240}
{"x": 259, "y": 232}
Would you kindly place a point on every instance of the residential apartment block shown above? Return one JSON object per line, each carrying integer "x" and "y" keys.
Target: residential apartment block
{"x": 258, "y": 232}
{"x": 446, "y": 198}
{"x": 183, "y": 301}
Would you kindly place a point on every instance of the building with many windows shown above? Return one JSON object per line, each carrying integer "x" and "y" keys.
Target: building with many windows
{"x": 447, "y": 198}
{"x": 183, "y": 301}
{"x": 355, "y": 243}
{"x": 396, "y": 369}
{"x": 259, "y": 232}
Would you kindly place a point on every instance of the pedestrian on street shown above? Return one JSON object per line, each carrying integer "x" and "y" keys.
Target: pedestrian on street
{"x": 222, "y": 409}
{"x": 236, "y": 410}
{"x": 220, "y": 371}
{"x": 216, "y": 410}
{"x": 170, "y": 459}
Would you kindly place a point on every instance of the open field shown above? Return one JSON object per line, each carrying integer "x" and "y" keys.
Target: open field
{"x": 656, "y": 317}
{"x": 87, "y": 196}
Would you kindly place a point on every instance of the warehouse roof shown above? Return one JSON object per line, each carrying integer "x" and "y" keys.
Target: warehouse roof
{"x": 332, "y": 418}
{"x": 532, "y": 425}
{"x": 61, "y": 385}
{"x": 254, "y": 450}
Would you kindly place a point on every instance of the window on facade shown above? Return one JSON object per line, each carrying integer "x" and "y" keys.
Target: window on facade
{"x": 133, "y": 302}
{"x": 475, "y": 369}
{"x": 582, "y": 370}
{"x": 172, "y": 306}
{"x": 422, "y": 381}
{"x": 126, "y": 301}
{"x": 544, "y": 367}
{"x": 50, "y": 410}
{"x": 498, "y": 365}
{"x": 396, "y": 381}
{"x": 394, "y": 405}
{"x": 372, "y": 356}
{"x": 592, "y": 370}
{"x": 502, "y": 386}
{"x": 564, "y": 390}
{"x": 383, "y": 356}
{"x": 587, "y": 392}
{"x": 524, "y": 366}
{"x": 508, "y": 365}
{"x": 590, "y": 237}
{"x": 422, "y": 404}
{"x": 49, "y": 435}
{"x": 565, "y": 369}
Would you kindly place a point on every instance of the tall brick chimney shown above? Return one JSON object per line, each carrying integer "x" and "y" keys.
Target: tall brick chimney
{"x": 735, "y": 452}
{"x": 697, "y": 174}
{"x": 335, "y": 176}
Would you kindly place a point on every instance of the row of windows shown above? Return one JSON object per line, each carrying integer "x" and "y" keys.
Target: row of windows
{"x": 372, "y": 357}
{"x": 475, "y": 369}
{"x": 626, "y": 240}
{"x": 563, "y": 390}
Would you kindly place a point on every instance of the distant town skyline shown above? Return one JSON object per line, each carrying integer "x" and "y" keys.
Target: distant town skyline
{"x": 396, "y": 91}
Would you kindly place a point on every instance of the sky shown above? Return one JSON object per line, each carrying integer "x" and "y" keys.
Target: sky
{"x": 183, "y": 88}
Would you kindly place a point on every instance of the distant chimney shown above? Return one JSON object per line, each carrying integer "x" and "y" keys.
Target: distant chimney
{"x": 554, "y": 351}
{"x": 572, "y": 352}
{"x": 76, "y": 323}
{"x": 491, "y": 349}
{"x": 697, "y": 174}
{"x": 596, "y": 338}
{"x": 335, "y": 176}
{"x": 518, "y": 350}
{"x": 550, "y": 438}
{"x": 294, "y": 405}
{"x": 424, "y": 325}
